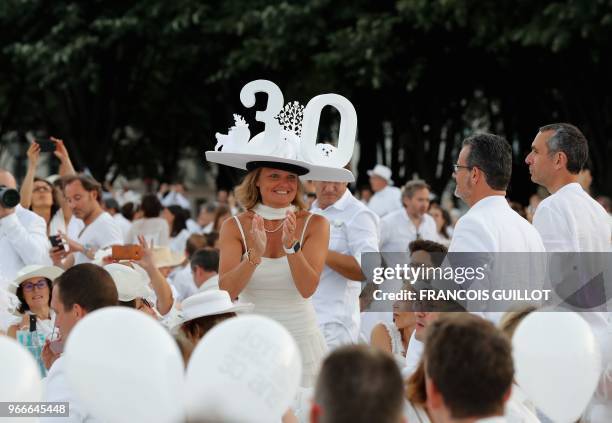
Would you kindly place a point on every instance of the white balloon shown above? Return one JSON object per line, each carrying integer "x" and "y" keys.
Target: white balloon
{"x": 557, "y": 363}
{"x": 125, "y": 367}
{"x": 21, "y": 378}
{"x": 247, "y": 369}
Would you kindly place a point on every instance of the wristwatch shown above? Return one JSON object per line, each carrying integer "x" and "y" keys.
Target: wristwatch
{"x": 293, "y": 249}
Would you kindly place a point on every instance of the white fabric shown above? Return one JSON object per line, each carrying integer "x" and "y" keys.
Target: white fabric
{"x": 58, "y": 390}
{"x": 179, "y": 242}
{"x": 570, "y": 220}
{"x": 124, "y": 224}
{"x": 491, "y": 225}
{"x": 369, "y": 319}
{"x": 272, "y": 290}
{"x": 182, "y": 281}
{"x": 386, "y": 200}
{"x": 353, "y": 231}
{"x": 211, "y": 284}
{"x": 397, "y": 230}
{"x": 413, "y": 355}
{"x": 415, "y": 413}
{"x": 193, "y": 227}
{"x": 271, "y": 213}
{"x": 519, "y": 408}
{"x": 58, "y": 223}
{"x": 176, "y": 198}
{"x": 101, "y": 233}
{"x": 23, "y": 240}
{"x": 154, "y": 229}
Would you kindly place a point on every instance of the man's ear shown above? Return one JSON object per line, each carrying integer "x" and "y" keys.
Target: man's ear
{"x": 507, "y": 394}
{"x": 315, "y": 412}
{"x": 434, "y": 398}
{"x": 560, "y": 160}
{"x": 79, "y": 311}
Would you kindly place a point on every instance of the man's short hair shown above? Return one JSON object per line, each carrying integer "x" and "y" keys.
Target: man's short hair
{"x": 436, "y": 251}
{"x": 469, "y": 361}
{"x": 493, "y": 156}
{"x": 359, "y": 384}
{"x": 87, "y": 285}
{"x": 150, "y": 206}
{"x": 111, "y": 204}
{"x": 411, "y": 187}
{"x": 194, "y": 243}
{"x": 206, "y": 258}
{"x": 571, "y": 141}
{"x": 89, "y": 184}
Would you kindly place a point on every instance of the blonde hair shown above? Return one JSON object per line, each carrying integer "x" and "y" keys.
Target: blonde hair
{"x": 511, "y": 319}
{"x": 248, "y": 195}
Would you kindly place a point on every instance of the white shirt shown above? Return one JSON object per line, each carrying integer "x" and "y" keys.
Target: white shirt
{"x": 101, "y": 233}
{"x": 386, "y": 200}
{"x": 491, "y": 225}
{"x": 397, "y": 231}
{"x": 58, "y": 223}
{"x": 124, "y": 224}
{"x": 210, "y": 284}
{"x": 179, "y": 242}
{"x": 23, "y": 241}
{"x": 154, "y": 229}
{"x": 58, "y": 390}
{"x": 176, "y": 198}
{"x": 353, "y": 231}
{"x": 570, "y": 220}
{"x": 183, "y": 283}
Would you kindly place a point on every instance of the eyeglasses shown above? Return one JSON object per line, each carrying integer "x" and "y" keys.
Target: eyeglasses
{"x": 456, "y": 167}
{"x": 29, "y": 286}
{"x": 41, "y": 189}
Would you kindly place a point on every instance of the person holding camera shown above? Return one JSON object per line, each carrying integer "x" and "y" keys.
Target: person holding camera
{"x": 23, "y": 234}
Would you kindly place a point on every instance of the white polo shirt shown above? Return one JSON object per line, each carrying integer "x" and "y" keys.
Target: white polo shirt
{"x": 386, "y": 200}
{"x": 353, "y": 231}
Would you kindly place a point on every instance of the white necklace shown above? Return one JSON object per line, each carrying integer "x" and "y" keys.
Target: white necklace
{"x": 271, "y": 213}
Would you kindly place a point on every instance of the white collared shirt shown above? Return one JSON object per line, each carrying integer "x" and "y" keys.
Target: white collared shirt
{"x": 570, "y": 220}
{"x": 210, "y": 284}
{"x": 101, "y": 233}
{"x": 397, "y": 230}
{"x": 353, "y": 231}
{"x": 492, "y": 226}
{"x": 23, "y": 241}
{"x": 386, "y": 200}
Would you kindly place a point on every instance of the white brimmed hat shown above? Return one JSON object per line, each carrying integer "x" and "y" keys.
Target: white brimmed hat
{"x": 130, "y": 283}
{"x": 210, "y": 303}
{"x": 165, "y": 257}
{"x": 32, "y": 271}
{"x": 281, "y": 145}
{"x": 383, "y": 172}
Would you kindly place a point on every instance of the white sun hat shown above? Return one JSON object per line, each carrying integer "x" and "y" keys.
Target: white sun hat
{"x": 32, "y": 271}
{"x": 382, "y": 171}
{"x": 289, "y": 139}
{"x": 130, "y": 283}
{"x": 210, "y": 303}
{"x": 165, "y": 257}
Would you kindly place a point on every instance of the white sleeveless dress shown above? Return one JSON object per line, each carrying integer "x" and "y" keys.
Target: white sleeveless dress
{"x": 273, "y": 292}
{"x": 397, "y": 347}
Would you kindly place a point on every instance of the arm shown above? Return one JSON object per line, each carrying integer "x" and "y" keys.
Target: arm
{"x": 61, "y": 153}
{"x": 162, "y": 289}
{"x": 380, "y": 338}
{"x": 234, "y": 273}
{"x": 28, "y": 182}
{"x": 307, "y": 264}
{"x": 28, "y": 238}
{"x": 344, "y": 264}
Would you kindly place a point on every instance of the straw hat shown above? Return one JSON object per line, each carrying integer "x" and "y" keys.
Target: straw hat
{"x": 32, "y": 271}
{"x": 210, "y": 303}
{"x": 164, "y": 257}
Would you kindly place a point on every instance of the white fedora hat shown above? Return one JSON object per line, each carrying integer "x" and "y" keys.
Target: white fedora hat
{"x": 32, "y": 271}
{"x": 210, "y": 303}
{"x": 382, "y": 171}
{"x": 165, "y": 257}
{"x": 130, "y": 283}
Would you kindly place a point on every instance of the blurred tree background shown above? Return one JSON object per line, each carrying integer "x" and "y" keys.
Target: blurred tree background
{"x": 134, "y": 85}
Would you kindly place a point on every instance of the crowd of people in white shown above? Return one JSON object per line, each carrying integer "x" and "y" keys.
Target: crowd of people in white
{"x": 292, "y": 251}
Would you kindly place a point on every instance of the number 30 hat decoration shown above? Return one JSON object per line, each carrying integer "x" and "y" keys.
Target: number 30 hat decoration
{"x": 288, "y": 141}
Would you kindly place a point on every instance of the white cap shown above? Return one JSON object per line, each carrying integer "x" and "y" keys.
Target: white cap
{"x": 383, "y": 172}
{"x": 130, "y": 283}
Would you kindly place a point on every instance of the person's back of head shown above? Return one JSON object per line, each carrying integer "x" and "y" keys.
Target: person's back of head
{"x": 468, "y": 368}
{"x": 194, "y": 243}
{"x": 491, "y": 154}
{"x": 150, "y": 206}
{"x": 435, "y": 250}
{"x": 206, "y": 258}
{"x": 358, "y": 384}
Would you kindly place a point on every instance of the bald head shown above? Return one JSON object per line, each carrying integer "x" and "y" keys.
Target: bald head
{"x": 7, "y": 179}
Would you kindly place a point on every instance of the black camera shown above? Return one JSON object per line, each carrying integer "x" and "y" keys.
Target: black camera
{"x": 9, "y": 197}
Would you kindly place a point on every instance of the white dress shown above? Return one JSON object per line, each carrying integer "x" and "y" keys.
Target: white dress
{"x": 273, "y": 292}
{"x": 397, "y": 347}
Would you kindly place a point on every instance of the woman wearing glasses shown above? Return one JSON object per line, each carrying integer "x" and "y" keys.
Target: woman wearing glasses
{"x": 33, "y": 289}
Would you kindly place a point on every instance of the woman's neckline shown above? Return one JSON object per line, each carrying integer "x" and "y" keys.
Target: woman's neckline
{"x": 272, "y": 213}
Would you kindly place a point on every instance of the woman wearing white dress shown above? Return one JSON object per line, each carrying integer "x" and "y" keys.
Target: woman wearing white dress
{"x": 394, "y": 337}
{"x": 273, "y": 254}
